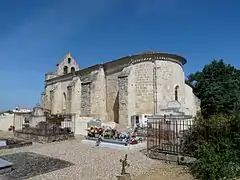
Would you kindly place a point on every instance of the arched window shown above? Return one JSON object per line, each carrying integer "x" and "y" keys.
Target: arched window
{"x": 65, "y": 70}
{"x": 176, "y": 93}
{"x": 72, "y": 69}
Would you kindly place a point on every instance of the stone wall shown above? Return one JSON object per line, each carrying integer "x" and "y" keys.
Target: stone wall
{"x": 76, "y": 96}
{"x": 192, "y": 102}
{"x": 86, "y": 99}
{"x": 6, "y": 121}
{"x": 69, "y": 62}
{"x": 168, "y": 76}
{"x": 112, "y": 97}
{"x": 98, "y": 96}
{"x": 123, "y": 100}
{"x": 50, "y": 75}
{"x": 144, "y": 92}
{"x": 34, "y": 120}
{"x": 47, "y": 100}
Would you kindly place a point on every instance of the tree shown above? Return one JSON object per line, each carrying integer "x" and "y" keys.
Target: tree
{"x": 218, "y": 88}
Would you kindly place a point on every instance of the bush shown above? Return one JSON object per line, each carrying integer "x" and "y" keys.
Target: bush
{"x": 215, "y": 143}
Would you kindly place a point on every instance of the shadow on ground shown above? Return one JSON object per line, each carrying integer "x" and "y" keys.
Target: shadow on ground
{"x": 28, "y": 164}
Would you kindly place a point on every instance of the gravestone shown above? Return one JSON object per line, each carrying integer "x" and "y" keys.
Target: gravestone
{"x": 3, "y": 143}
{"x": 94, "y": 123}
{"x": 38, "y": 110}
{"x": 174, "y": 105}
{"x": 173, "y": 108}
{"x": 5, "y": 166}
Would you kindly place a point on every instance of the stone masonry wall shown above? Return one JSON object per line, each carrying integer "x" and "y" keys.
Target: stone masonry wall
{"x": 123, "y": 100}
{"x": 169, "y": 75}
{"x": 112, "y": 97}
{"x": 76, "y": 98}
{"x": 69, "y": 65}
{"x": 58, "y": 103}
{"x": 47, "y": 101}
{"x": 86, "y": 99}
{"x": 144, "y": 100}
{"x": 98, "y": 96}
{"x": 192, "y": 102}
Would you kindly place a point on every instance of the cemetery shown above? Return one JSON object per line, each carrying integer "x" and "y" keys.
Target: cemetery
{"x": 70, "y": 160}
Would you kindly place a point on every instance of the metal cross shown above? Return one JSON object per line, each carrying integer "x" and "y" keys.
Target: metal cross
{"x": 124, "y": 165}
{"x": 98, "y": 141}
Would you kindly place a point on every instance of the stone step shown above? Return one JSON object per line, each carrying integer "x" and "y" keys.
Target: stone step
{"x": 5, "y": 166}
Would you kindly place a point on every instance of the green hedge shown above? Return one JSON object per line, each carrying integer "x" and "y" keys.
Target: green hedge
{"x": 215, "y": 143}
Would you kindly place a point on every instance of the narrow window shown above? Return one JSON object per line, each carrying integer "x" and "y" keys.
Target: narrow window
{"x": 176, "y": 93}
{"x": 69, "y": 60}
{"x": 72, "y": 69}
{"x": 51, "y": 95}
{"x": 65, "y": 70}
{"x": 64, "y": 101}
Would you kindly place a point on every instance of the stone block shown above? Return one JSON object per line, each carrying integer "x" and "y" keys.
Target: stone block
{"x": 124, "y": 177}
{"x": 5, "y": 166}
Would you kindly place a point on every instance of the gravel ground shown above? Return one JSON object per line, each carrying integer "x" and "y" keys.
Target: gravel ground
{"x": 90, "y": 163}
{"x": 167, "y": 172}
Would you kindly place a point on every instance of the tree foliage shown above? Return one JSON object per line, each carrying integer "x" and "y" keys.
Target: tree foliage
{"x": 215, "y": 144}
{"x": 218, "y": 88}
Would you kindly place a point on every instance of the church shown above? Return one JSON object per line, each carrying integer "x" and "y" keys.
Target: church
{"x": 115, "y": 91}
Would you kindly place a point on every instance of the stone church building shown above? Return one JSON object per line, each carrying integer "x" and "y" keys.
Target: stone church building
{"x": 114, "y": 91}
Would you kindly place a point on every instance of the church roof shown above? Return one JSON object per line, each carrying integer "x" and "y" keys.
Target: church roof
{"x": 125, "y": 61}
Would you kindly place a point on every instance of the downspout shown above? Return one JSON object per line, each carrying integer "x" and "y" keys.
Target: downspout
{"x": 106, "y": 96}
{"x": 155, "y": 87}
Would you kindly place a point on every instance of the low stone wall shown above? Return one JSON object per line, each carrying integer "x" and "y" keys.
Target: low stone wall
{"x": 6, "y": 122}
{"x": 36, "y": 119}
{"x": 43, "y": 139}
{"x": 171, "y": 157}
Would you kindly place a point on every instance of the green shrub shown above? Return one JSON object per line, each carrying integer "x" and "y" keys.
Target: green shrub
{"x": 215, "y": 143}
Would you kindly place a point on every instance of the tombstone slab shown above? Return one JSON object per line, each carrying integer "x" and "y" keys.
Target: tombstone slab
{"x": 3, "y": 177}
{"x": 5, "y": 166}
{"x": 3, "y": 143}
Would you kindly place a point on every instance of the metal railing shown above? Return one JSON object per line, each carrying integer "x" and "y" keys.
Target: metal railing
{"x": 165, "y": 134}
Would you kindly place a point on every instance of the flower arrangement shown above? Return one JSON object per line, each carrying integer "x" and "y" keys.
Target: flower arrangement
{"x": 94, "y": 131}
{"x": 131, "y": 137}
{"x": 110, "y": 133}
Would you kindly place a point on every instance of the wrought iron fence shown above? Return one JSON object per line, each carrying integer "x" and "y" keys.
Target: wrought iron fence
{"x": 165, "y": 133}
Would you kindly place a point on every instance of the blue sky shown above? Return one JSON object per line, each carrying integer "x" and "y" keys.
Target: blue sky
{"x": 35, "y": 35}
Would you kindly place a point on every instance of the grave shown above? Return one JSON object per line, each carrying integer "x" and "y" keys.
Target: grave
{"x": 138, "y": 146}
{"x": 3, "y": 143}
{"x": 27, "y": 165}
{"x": 45, "y": 132}
{"x": 106, "y": 136}
{"x": 5, "y": 166}
{"x": 13, "y": 143}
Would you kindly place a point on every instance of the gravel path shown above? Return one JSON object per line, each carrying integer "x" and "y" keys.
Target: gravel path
{"x": 90, "y": 163}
